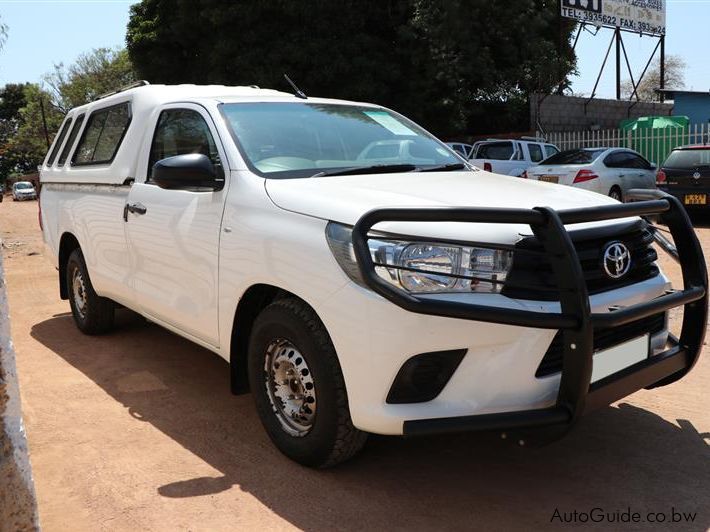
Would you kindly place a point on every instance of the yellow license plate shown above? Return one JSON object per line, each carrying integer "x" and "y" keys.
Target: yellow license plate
{"x": 695, "y": 199}
{"x": 550, "y": 178}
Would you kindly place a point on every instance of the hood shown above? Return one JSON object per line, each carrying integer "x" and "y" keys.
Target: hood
{"x": 345, "y": 199}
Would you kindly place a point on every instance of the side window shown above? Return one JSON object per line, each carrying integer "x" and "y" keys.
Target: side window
{"x": 181, "y": 131}
{"x": 70, "y": 141}
{"x": 58, "y": 143}
{"x": 102, "y": 135}
{"x": 639, "y": 162}
{"x": 628, "y": 160}
{"x": 535, "y": 152}
{"x": 614, "y": 160}
{"x": 550, "y": 150}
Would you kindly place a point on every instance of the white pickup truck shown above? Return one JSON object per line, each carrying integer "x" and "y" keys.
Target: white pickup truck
{"x": 357, "y": 275}
{"x": 510, "y": 156}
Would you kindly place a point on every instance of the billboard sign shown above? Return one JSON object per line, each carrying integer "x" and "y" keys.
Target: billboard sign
{"x": 640, "y": 16}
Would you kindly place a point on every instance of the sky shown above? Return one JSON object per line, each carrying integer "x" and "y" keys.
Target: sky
{"x": 42, "y": 33}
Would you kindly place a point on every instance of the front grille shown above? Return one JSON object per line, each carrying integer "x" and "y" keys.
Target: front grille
{"x": 603, "y": 339}
{"x": 531, "y": 276}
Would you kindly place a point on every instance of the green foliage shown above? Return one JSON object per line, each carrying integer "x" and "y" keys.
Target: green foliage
{"x": 440, "y": 63}
{"x": 95, "y": 73}
{"x": 23, "y": 142}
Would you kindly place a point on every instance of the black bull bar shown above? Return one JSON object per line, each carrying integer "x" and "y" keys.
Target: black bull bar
{"x": 577, "y": 394}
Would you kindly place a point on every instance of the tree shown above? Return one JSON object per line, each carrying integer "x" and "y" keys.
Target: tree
{"x": 674, "y": 75}
{"x": 26, "y": 146}
{"x": 437, "y": 65}
{"x": 12, "y": 100}
{"x": 94, "y": 73}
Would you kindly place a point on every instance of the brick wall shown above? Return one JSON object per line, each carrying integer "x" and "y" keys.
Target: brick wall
{"x": 570, "y": 113}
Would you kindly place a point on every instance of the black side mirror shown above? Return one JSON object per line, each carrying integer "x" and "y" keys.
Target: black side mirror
{"x": 191, "y": 170}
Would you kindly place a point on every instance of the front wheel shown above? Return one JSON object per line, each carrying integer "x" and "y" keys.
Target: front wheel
{"x": 92, "y": 313}
{"x": 298, "y": 386}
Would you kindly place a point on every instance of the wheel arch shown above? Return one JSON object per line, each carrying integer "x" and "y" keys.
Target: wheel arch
{"x": 255, "y": 299}
{"x": 67, "y": 244}
{"x": 618, "y": 187}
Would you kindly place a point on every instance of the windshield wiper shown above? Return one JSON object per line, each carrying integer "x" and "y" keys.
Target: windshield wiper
{"x": 445, "y": 168}
{"x": 374, "y": 169}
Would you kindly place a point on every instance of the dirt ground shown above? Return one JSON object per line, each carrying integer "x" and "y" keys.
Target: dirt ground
{"x": 137, "y": 430}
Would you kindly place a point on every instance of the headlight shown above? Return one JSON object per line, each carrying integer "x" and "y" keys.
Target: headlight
{"x": 424, "y": 267}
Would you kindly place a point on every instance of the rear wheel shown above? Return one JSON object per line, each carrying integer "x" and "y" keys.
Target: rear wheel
{"x": 92, "y": 313}
{"x": 298, "y": 386}
{"x": 615, "y": 193}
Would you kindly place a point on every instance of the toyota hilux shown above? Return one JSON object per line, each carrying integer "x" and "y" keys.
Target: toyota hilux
{"x": 357, "y": 274}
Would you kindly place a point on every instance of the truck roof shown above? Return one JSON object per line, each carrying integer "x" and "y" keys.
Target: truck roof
{"x": 161, "y": 94}
{"x": 142, "y": 101}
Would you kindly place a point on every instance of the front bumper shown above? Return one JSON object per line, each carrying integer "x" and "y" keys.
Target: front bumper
{"x": 576, "y": 394}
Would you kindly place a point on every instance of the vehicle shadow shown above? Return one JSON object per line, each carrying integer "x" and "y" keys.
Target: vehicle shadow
{"x": 618, "y": 458}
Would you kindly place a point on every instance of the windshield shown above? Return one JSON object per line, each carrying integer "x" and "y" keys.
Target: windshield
{"x": 574, "y": 157}
{"x": 287, "y": 140}
{"x": 20, "y": 186}
{"x": 688, "y": 159}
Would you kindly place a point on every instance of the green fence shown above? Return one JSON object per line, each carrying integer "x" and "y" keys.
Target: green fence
{"x": 652, "y": 137}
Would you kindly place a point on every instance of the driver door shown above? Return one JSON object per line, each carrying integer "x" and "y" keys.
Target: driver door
{"x": 173, "y": 235}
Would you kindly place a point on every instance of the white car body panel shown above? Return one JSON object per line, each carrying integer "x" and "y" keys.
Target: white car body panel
{"x": 346, "y": 198}
{"x": 190, "y": 259}
{"x": 521, "y": 160}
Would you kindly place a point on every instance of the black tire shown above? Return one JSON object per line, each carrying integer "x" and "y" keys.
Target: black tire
{"x": 615, "y": 193}
{"x": 331, "y": 438}
{"x": 96, "y": 316}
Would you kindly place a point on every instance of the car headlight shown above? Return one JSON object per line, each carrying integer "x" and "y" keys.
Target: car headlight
{"x": 424, "y": 267}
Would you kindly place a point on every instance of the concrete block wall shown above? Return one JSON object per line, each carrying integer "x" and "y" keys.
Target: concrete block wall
{"x": 18, "y": 506}
{"x": 555, "y": 113}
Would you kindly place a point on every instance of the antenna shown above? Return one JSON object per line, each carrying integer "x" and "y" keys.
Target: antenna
{"x": 298, "y": 92}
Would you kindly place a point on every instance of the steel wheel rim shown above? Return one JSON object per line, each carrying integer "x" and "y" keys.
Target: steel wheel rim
{"x": 79, "y": 292}
{"x": 290, "y": 387}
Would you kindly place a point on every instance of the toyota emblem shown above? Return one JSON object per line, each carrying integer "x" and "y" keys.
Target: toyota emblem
{"x": 616, "y": 260}
{"x": 696, "y": 175}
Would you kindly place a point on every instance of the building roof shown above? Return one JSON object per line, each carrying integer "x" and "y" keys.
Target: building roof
{"x": 671, "y": 92}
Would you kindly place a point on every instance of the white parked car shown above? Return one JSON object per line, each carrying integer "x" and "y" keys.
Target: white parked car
{"x": 23, "y": 190}
{"x": 609, "y": 171}
{"x": 353, "y": 290}
{"x": 463, "y": 149}
{"x": 509, "y": 157}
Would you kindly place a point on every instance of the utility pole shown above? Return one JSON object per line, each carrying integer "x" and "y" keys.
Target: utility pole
{"x": 662, "y": 81}
{"x": 44, "y": 120}
{"x": 617, "y": 33}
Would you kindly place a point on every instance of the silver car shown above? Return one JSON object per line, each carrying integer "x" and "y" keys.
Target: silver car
{"x": 609, "y": 171}
{"x": 23, "y": 190}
